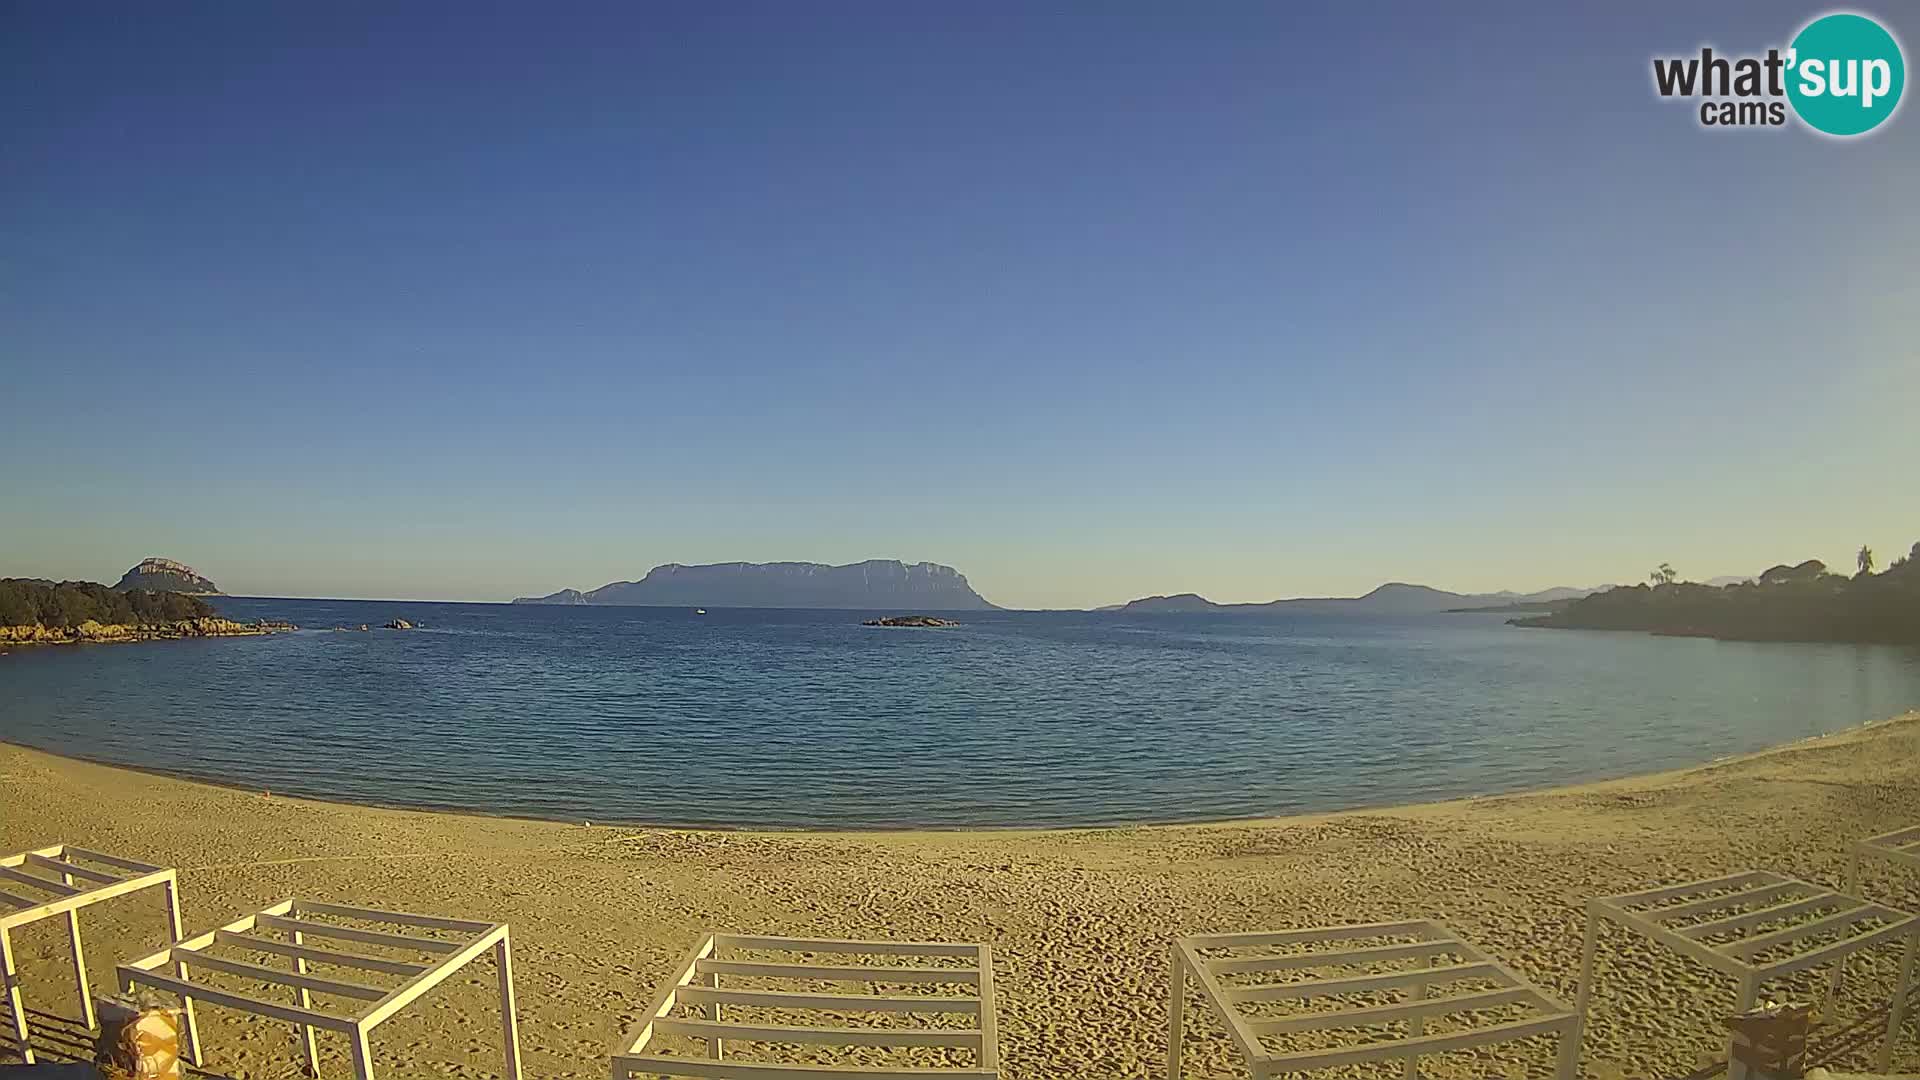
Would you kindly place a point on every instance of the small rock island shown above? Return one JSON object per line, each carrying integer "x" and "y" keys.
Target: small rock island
{"x": 910, "y": 620}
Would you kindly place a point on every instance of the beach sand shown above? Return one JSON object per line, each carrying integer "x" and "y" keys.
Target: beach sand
{"x": 1079, "y": 920}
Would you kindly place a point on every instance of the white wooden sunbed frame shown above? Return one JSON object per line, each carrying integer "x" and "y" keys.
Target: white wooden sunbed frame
{"x": 1432, "y": 941}
{"x": 470, "y": 940}
{"x": 1685, "y": 917}
{"x": 696, "y": 981}
{"x": 1900, "y": 847}
{"x": 74, "y": 878}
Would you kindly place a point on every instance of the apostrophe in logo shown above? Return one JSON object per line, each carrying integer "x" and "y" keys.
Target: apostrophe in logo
{"x": 1845, "y": 74}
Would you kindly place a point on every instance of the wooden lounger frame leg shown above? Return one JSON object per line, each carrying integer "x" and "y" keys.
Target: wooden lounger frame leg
{"x": 1176, "y": 1010}
{"x": 180, "y": 969}
{"x": 1897, "y": 1012}
{"x": 716, "y": 1046}
{"x": 305, "y": 998}
{"x": 1851, "y": 886}
{"x": 1410, "y": 1068}
{"x": 503, "y": 959}
{"x": 1749, "y": 995}
{"x": 11, "y": 975}
{"x": 1571, "y": 1039}
{"x": 362, "y": 1055}
{"x": 80, "y": 963}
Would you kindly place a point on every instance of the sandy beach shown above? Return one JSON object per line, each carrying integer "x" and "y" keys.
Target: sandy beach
{"x": 1079, "y": 920}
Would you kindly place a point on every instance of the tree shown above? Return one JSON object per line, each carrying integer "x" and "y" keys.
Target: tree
{"x": 1663, "y": 575}
{"x": 1865, "y": 559}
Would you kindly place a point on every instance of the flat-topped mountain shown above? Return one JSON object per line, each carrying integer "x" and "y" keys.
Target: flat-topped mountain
{"x": 1393, "y": 598}
{"x": 876, "y": 583}
{"x": 166, "y": 575}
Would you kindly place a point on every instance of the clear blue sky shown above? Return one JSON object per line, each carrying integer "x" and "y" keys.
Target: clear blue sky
{"x": 470, "y": 301}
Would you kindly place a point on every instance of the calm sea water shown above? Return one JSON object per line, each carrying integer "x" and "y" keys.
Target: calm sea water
{"x": 806, "y": 718}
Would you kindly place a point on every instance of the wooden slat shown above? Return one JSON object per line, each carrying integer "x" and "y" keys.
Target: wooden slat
{"x": 441, "y": 971}
{"x": 58, "y": 888}
{"x": 736, "y": 1070}
{"x": 866, "y": 948}
{"x": 1330, "y": 959}
{"x": 851, "y": 973}
{"x": 293, "y": 1014}
{"x": 989, "y": 1017}
{"x": 1398, "y": 1049}
{"x": 1360, "y": 983}
{"x": 1367, "y": 1016}
{"x": 1836, "y": 950}
{"x": 275, "y": 975}
{"x": 1897, "y": 838}
{"x": 320, "y": 956}
{"x": 1700, "y": 951}
{"x": 88, "y": 872}
{"x": 1762, "y": 942}
{"x": 365, "y": 937}
{"x": 69, "y": 851}
{"x": 1423, "y": 927}
{"x": 404, "y": 918}
{"x": 79, "y": 898}
{"x": 11, "y": 900}
{"x": 1211, "y": 989}
{"x": 1755, "y": 918}
{"x": 788, "y": 999}
{"x": 666, "y": 998}
{"x": 1668, "y": 892}
{"x": 824, "y": 1036}
{"x": 1731, "y": 900}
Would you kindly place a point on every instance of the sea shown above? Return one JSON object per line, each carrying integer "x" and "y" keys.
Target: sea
{"x": 796, "y": 719}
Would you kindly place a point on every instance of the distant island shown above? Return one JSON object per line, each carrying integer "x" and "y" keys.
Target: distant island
{"x": 1393, "y": 598}
{"x": 926, "y": 621}
{"x": 1802, "y": 602}
{"x": 38, "y": 612}
{"x": 863, "y": 586}
{"x": 166, "y": 575}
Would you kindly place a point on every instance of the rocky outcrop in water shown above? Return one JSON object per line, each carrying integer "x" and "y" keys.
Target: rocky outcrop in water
{"x": 90, "y": 632}
{"x": 876, "y": 583}
{"x": 910, "y": 620}
{"x": 166, "y": 575}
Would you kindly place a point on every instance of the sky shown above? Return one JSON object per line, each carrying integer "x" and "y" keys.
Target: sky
{"x": 1091, "y": 301}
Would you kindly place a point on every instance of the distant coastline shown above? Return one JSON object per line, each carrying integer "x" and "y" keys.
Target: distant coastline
{"x": 1804, "y": 602}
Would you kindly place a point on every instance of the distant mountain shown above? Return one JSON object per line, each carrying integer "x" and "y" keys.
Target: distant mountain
{"x": 866, "y": 586}
{"x": 165, "y": 575}
{"x": 1393, "y": 598}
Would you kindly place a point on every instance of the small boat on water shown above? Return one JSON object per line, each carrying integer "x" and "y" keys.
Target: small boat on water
{"x": 699, "y": 611}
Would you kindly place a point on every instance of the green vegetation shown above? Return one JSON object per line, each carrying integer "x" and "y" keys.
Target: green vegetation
{"x": 1788, "y": 603}
{"x": 70, "y": 603}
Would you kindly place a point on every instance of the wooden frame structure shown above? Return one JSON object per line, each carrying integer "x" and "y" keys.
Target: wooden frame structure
{"x": 696, "y": 982}
{"x": 1728, "y": 923}
{"x": 465, "y": 942}
{"x": 74, "y": 878}
{"x": 1900, "y": 847}
{"x": 1430, "y": 943}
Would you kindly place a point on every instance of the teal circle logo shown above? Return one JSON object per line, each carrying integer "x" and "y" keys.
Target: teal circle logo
{"x": 1845, "y": 74}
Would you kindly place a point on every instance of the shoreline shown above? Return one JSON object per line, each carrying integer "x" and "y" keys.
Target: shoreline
{"x": 1078, "y": 919}
{"x": 1657, "y": 777}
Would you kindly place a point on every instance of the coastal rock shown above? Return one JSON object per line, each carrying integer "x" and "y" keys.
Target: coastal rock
{"x": 399, "y": 624}
{"x": 166, "y": 575}
{"x": 910, "y": 620}
{"x": 92, "y": 632}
